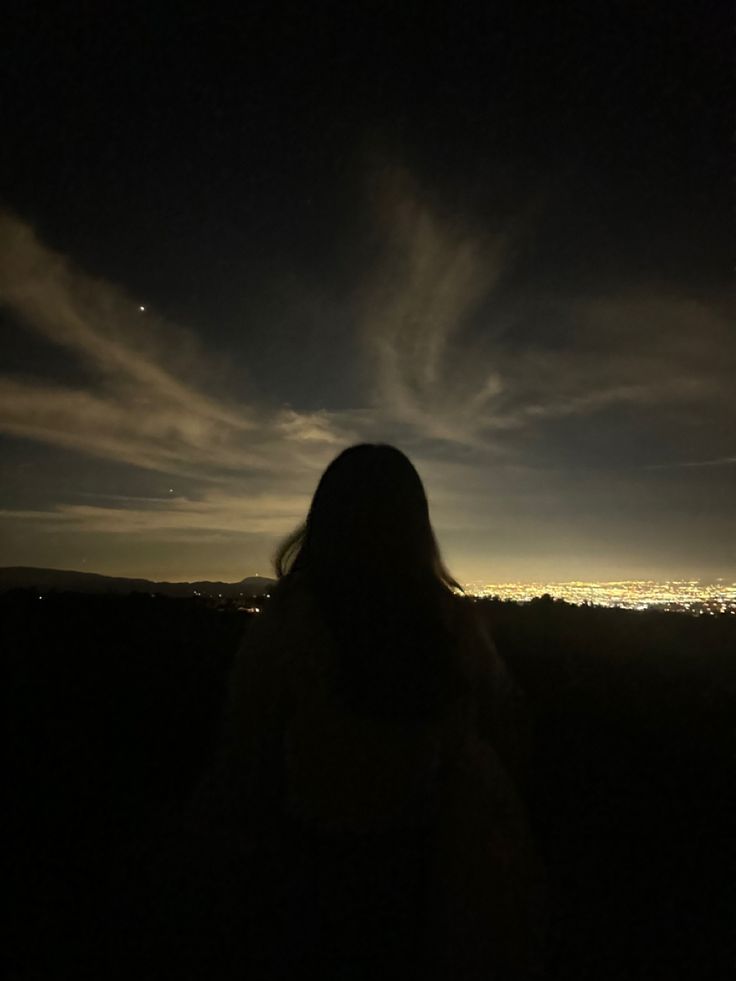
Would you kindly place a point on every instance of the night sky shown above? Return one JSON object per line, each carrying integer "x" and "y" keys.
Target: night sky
{"x": 500, "y": 237}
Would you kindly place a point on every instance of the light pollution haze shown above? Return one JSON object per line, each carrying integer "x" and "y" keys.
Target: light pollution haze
{"x": 135, "y": 448}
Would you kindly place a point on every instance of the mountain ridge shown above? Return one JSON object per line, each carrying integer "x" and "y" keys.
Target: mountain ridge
{"x": 71, "y": 580}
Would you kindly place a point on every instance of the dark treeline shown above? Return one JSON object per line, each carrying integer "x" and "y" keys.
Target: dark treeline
{"x": 112, "y": 710}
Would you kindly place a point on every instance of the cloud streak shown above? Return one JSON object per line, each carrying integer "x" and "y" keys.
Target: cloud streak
{"x": 443, "y": 335}
{"x": 139, "y": 409}
{"x": 216, "y": 511}
{"x": 723, "y": 461}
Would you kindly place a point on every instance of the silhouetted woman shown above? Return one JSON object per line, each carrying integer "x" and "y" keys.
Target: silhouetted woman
{"x": 368, "y": 747}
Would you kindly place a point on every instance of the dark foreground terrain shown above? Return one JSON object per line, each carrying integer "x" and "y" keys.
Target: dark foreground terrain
{"x": 111, "y": 712}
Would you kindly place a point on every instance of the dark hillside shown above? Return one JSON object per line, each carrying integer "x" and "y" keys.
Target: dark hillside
{"x": 633, "y": 783}
{"x": 112, "y": 707}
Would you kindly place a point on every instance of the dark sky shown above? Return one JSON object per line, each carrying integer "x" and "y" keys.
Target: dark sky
{"x": 499, "y": 236}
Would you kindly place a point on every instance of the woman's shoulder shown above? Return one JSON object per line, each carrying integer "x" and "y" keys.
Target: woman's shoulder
{"x": 465, "y": 619}
{"x": 295, "y": 606}
{"x": 475, "y": 646}
{"x": 291, "y": 624}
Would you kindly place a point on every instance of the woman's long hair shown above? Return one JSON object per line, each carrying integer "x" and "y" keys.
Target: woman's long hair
{"x": 368, "y": 553}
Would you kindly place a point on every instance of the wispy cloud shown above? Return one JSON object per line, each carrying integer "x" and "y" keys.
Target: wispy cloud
{"x": 433, "y": 280}
{"x": 145, "y": 405}
{"x": 455, "y": 358}
{"x": 215, "y": 511}
{"x": 723, "y": 461}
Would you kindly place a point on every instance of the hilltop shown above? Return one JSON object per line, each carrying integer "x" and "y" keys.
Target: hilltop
{"x": 71, "y": 581}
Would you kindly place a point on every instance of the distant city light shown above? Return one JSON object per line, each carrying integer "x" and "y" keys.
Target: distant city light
{"x": 673, "y": 596}
{"x": 677, "y": 595}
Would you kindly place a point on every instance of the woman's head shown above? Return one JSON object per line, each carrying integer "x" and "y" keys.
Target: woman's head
{"x": 368, "y": 554}
{"x": 369, "y": 517}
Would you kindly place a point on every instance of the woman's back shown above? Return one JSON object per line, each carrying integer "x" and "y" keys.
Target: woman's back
{"x": 359, "y": 764}
{"x": 377, "y": 825}
{"x": 342, "y": 768}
